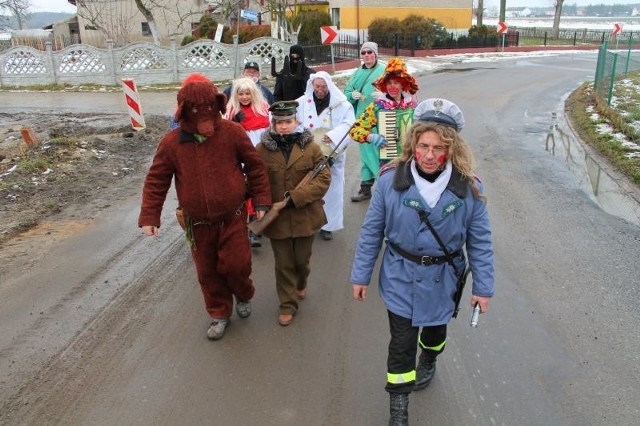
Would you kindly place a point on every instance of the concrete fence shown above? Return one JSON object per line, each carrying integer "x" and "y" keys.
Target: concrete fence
{"x": 147, "y": 63}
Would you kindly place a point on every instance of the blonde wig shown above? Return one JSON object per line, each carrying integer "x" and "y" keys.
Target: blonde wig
{"x": 259, "y": 104}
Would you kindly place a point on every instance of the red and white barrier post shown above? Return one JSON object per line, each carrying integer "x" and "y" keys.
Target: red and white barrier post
{"x": 132, "y": 98}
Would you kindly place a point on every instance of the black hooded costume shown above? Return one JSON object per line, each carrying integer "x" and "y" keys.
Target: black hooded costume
{"x": 291, "y": 81}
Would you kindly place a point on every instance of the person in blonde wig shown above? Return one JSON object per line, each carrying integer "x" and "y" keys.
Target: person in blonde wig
{"x": 429, "y": 209}
{"x": 248, "y": 106}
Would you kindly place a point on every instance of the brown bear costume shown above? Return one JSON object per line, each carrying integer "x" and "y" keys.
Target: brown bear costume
{"x": 215, "y": 167}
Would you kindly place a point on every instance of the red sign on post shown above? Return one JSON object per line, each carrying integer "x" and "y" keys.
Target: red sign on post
{"x": 328, "y": 34}
{"x": 502, "y": 28}
{"x": 617, "y": 28}
{"x": 132, "y": 98}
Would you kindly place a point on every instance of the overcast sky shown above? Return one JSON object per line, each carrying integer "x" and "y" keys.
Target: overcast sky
{"x": 52, "y": 6}
{"x": 65, "y": 6}
{"x": 545, "y": 3}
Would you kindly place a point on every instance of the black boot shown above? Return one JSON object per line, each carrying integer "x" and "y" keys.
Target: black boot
{"x": 364, "y": 193}
{"x": 399, "y": 405}
{"x": 425, "y": 371}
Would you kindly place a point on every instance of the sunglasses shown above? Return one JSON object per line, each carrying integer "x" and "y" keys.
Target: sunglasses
{"x": 367, "y": 52}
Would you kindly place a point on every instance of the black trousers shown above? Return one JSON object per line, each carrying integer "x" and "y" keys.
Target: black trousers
{"x": 401, "y": 360}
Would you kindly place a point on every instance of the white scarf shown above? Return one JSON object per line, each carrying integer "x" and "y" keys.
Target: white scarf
{"x": 431, "y": 192}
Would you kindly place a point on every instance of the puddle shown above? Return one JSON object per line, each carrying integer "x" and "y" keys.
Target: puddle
{"x": 608, "y": 188}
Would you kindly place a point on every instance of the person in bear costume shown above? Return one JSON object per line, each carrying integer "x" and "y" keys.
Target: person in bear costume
{"x": 209, "y": 157}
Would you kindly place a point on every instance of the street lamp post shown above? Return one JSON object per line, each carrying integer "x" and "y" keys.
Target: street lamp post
{"x": 358, "y": 22}
{"x": 236, "y": 38}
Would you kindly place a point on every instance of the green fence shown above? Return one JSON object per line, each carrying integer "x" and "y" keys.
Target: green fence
{"x": 613, "y": 67}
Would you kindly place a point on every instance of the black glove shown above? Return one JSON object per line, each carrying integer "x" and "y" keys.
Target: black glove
{"x": 239, "y": 117}
{"x": 330, "y": 160}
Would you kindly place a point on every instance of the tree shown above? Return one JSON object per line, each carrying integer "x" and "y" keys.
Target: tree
{"x": 480, "y": 12}
{"x": 278, "y": 10}
{"x": 115, "y": 23}
{"x": 555, "y": 32}
{"x": 148, "y": 15}
{"x": 18, "y": 8}
{"x": 227, "y": 10}
{"x": 112, "y": 23}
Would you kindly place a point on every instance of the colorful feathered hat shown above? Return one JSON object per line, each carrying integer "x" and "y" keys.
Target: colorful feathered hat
{"x": 396, "y": 69}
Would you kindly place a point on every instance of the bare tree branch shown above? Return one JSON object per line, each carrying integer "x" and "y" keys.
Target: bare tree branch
{"x": 107, "y": 18}
{"x": 19, "y": 9}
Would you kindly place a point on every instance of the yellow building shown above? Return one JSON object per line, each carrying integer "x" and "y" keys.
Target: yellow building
{"x": 319, "y": 5}
{"x": 356, "y": 15}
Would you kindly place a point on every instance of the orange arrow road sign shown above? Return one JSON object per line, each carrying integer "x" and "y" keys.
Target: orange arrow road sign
{"x": 502, "y": 28}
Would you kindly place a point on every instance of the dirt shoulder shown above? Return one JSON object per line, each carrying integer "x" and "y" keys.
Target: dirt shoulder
{"x": 80, "y": 164}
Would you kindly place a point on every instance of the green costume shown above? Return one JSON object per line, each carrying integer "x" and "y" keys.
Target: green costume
{"x": 361, "y": 81}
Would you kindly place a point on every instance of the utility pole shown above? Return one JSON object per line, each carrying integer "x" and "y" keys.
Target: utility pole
{"x": 358, "y": 23}
{"x": 503, "y": 8}
{"x": 480, "y": 12}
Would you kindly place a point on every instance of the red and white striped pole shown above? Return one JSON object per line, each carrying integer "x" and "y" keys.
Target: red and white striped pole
{"x": 132, "y": 97}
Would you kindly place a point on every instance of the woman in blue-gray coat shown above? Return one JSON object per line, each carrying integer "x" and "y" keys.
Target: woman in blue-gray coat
{"x": 432, "y": 183}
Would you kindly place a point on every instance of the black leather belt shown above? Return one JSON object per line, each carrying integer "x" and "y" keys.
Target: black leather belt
{"x": 423, "y": 260}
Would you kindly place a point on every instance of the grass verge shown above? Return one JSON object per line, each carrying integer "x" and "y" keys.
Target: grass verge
{"x": 588, "y": 116}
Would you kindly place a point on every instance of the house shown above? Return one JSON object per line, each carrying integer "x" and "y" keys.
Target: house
{"x": 122, "y": 22}
{"x": 354, "y": 16}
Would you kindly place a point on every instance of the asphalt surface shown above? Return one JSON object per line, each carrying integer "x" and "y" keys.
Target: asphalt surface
{"x": 121, "y": 339}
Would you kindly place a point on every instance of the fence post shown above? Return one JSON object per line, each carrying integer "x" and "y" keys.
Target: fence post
{"x": 545, "y": 39}
{"x": 413, "y": 46}
{"x": 113, "y": 62}
{"x": 602, "y": 57}
{"x": 396, "y": 46}
{"x": 613, "y": 78}
{"x": 174, "y": 50}
{"x": 626, "y": 67}
{"x": 51, "y": 62}
{"x": 575, "y": 37}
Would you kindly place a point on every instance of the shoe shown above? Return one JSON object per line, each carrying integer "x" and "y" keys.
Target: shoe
{"x": 285, "y": 319}
{"x": 361, "y": 196}
{"x": 424, "y": 373}
{"x": 364, "y": 193}
{"x": 326, "y": 235}
{"x": 399, "y": 409}
{"x": 254, "y": 240}
{"x": 243, "y": 309}
{"x": 301, "y": 294}
{"x": 217, "y": 329}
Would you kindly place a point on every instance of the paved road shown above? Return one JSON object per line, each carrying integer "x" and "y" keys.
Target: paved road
{"x": 559, "y": 347}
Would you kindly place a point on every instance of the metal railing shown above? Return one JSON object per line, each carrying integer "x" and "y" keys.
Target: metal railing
{"x": 612, "y": 67}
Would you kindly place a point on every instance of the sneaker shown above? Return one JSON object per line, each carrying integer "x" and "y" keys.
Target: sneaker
{"x": 217, "y": 329}
{"x": 243, "y": 309}
{"x": 254, "y": 240}
{"x": 326, "y": 235}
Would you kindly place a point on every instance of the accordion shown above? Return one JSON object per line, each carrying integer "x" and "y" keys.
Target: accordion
{"x": 393, "y": 125}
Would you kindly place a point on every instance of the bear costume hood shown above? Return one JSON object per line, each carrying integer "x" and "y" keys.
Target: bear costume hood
{"x": 200, "y": 108}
